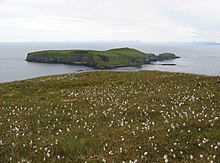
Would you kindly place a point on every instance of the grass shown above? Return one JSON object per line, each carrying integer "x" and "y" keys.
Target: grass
{"x": 166, "y": 55}
{"x": 145, "y": 116}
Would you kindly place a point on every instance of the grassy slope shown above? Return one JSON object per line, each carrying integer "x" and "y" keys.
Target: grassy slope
{"x": 113, "y": 57}
{"x": 112, "y": 116}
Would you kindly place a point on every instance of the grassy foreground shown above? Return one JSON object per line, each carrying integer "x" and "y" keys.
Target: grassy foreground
{"x": 111, "y": 117}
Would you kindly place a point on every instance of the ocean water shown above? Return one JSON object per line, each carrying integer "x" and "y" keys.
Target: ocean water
{"x": 198, "y": 59}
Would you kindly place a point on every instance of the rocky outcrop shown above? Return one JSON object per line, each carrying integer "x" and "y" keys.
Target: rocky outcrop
{"x": 166, "y": 56}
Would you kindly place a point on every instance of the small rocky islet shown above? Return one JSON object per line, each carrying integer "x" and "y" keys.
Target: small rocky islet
{"x": 121, "y": 57}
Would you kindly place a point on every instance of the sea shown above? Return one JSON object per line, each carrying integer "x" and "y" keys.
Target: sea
{"x": 195, "y": 58}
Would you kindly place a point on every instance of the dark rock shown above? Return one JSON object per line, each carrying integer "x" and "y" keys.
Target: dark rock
{"x": 168, "y": 64}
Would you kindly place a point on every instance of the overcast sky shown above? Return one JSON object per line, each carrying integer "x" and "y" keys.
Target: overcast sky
{"x": 93, "y": 20}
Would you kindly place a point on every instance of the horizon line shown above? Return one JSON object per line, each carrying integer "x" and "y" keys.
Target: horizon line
{"x": 137, "y": 41}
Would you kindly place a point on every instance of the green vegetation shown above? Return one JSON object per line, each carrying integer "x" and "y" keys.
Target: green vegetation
{"x": 111, "y": 117}
{"x": 165, "y": 56}
{"x": 98, "y": 59}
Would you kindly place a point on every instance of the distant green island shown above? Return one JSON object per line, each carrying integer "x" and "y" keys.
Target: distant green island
{"x": 121, "y": 57}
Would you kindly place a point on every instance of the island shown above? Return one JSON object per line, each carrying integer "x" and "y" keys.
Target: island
{"x": 121, "y": 57}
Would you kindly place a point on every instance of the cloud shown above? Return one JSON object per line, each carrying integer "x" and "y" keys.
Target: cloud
{"x": 78, "y": 20}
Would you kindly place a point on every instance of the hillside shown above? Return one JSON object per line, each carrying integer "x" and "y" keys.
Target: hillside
{"x": 111, "y": 117}
{"x": 98, "y": 59}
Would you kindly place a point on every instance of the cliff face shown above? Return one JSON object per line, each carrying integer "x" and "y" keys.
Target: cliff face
{"x": 48, "y": 57}
{"x": 98, "y": 59}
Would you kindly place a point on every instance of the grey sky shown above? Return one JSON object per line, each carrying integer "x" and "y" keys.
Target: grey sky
{"x": 85, "y": 20}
